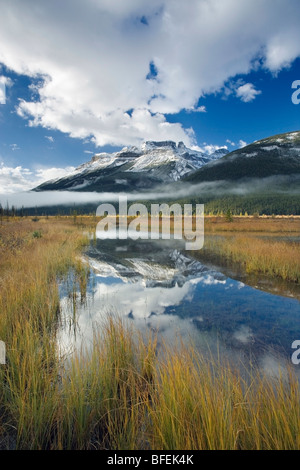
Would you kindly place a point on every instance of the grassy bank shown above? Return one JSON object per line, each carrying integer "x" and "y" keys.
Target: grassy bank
{"x": 272, "y": 258}
{"x": 284, "y": 225}
{"x": 33, "y": 253}
{"x": 256, "y": 244}
{"x": 120, "y": 394}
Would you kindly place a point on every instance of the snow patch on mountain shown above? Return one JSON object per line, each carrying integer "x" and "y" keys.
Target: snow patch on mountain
{"x": 150, "y": 164}
{"x": 270, "y": 148}
{"x": 177, "y": 271}
{"x": 150, "y": 156}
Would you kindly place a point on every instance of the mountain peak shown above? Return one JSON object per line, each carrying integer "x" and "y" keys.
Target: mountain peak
{"x": 291, "y": 138}
{"x": 181, "y": 146}
{"x": 273, "y": 156}
{"x": 134, "y": 168}
{"x": 165, "y": 144}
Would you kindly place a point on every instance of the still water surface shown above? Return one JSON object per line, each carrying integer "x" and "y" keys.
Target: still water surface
{"x": 159, "y": 286}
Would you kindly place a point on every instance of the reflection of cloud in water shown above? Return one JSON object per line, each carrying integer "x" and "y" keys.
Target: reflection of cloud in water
{"x": 209, "y": 281}
{"x": 125, "y": 299}
{"x": 244, "y": 335}
{"x": 165, "y": 289}
{"x": 137, "y": 299}
{"x": 274, "y": 366}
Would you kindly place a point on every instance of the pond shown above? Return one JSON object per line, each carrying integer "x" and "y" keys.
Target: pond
{"x": 161, "y": 287}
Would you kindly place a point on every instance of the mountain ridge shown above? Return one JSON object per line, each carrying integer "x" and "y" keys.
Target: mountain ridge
{"x": 272, "y": 156}
{"x": 134, "y": 168}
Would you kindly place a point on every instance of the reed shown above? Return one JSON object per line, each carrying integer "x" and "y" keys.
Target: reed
{"x": 271, "y": 257}
{"x": 260, "y": 224}
{"x": 125, "y": 391}
{"x": 207, "y": 405}
{"x": 29, "y": 306}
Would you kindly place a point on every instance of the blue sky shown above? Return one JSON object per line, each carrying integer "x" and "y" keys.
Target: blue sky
{"x": 102, "y": 75}
{"x": 229, "y": 118}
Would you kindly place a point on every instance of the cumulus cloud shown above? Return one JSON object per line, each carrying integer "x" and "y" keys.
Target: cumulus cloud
{"x": 2, "y": 94}
{"x": 16, "y": 179}
{"x": 247, "y": 92}
{"x": 110, "y": 71}
{"x": 242, "y": 144}
{"x": 4, "y": 83}
{"x": 244, "y": 91}
{"x": 200, "y": 109}
{"x": 208, "y": 148}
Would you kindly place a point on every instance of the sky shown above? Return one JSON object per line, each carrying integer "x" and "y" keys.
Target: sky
{"x": 83, "y": 77}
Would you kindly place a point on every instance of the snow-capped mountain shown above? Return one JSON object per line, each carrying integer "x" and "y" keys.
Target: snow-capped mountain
{"x": 274, "y": 156}
{"x": 134, "y": 168}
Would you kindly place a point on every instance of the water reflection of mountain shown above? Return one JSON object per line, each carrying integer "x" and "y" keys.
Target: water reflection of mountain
{"x": 158, "y": 278}
{"x": 156, "y": 263}
{"x": 159, "y": 286}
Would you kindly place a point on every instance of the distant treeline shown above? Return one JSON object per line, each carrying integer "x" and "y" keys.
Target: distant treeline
{"x": 262, "y": 204}
{"x": 61, "y": 210}
{"x": 277, "y": 204}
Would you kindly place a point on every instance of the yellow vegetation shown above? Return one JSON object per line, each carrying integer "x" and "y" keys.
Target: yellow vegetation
{"x": 119, "y": 395}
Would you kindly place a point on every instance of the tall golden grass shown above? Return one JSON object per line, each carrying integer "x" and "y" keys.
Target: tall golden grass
{"x": 120, "y": 394}
{"x": 29, "y": 306}
{"x": 284, "y": 225}
{"x": 270, "y": 257}
{"x": 252, "y": 243}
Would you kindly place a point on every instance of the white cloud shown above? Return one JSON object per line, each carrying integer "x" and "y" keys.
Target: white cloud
{"x": 16, "y": 179}
{"x": 242, "y": 144}
{"x": 247, "y": 92}
{"x": 2, "y": 94}
{"x": 14, "y": 147}
{"x": 4, "y": 83}
{"x": 50, "y": 138}
{"x": 200, "y": 109}
{"x": 208, "y": 148}
{"x": 93, "y": 59}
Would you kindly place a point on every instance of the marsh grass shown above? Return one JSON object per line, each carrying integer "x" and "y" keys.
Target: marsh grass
{"x": 260, "y": 224}
{"x": 270, "y": 257}
{"x": 120, "y": 393}
{"x": 29, "y": 306}
{"x": 204, "y": 405}
{"x": 251, "y": 242}
{"x": 123, "y": 395}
